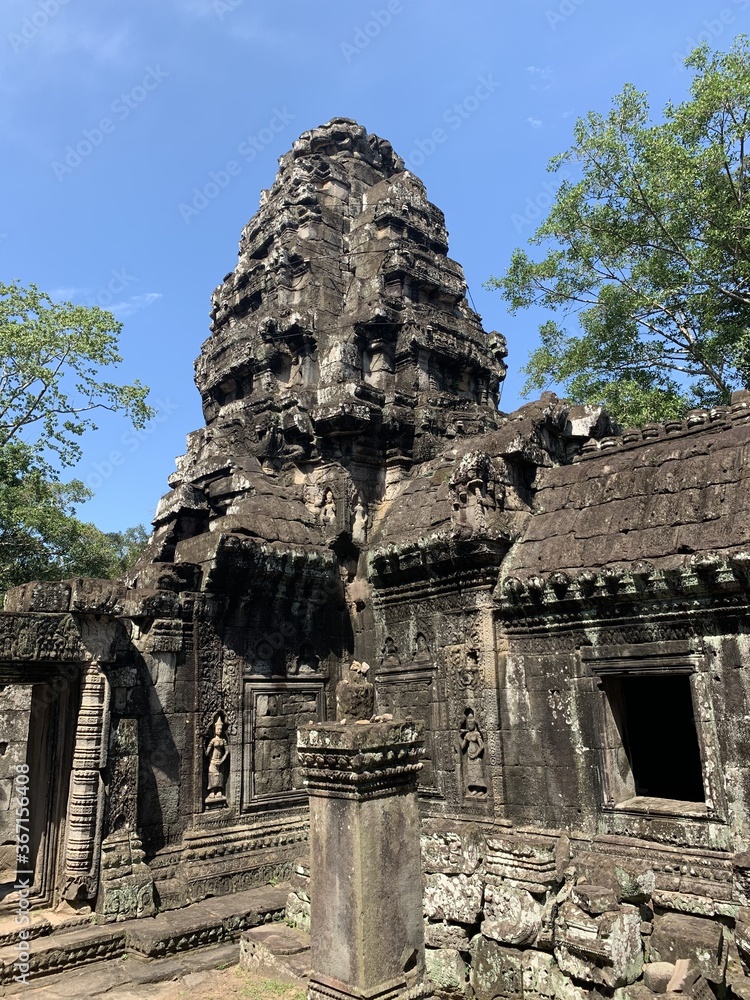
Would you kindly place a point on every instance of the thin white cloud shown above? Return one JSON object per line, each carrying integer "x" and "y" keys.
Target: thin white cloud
{"x": 542, "y": 77}
{"x": 238, "y": 19}
{"x": 132, "y": 305}
{"x": 69, "y": 294}
{"x": 63, "y": 33}
{"x": 535, "y": 122}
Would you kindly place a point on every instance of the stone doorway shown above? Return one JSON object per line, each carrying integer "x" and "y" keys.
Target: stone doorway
{"x": 37, "y": 731}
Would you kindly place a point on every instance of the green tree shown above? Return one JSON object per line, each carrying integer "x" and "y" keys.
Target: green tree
{"x": 51, "y": 359}
{"x": 648, "y": 249}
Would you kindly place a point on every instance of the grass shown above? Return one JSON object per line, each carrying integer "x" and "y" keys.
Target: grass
{"x": 239, "y": 984}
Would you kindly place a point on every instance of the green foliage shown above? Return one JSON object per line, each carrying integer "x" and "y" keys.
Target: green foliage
{"x": 649, "y": 250}
{"x": 40, "y": 536}
{"x": 51, "y": 357}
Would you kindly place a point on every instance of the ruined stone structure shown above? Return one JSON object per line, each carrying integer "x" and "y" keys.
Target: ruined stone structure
{"x": 564, "y": 608}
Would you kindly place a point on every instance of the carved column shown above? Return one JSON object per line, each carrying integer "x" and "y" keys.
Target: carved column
{"x": 366, "y": 879}
{"x": 85, "y": 802}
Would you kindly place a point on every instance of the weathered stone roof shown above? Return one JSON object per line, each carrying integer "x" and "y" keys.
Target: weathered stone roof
{"x": 545, "y": 432}
{"x": 664, "y": 493}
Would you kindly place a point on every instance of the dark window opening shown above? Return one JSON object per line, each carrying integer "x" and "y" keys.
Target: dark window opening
{"x": 654, "y": 715}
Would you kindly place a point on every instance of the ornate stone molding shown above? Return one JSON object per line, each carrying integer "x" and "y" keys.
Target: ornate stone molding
{"x": 697, "y": 421}
{"x": 706, "y": 579}
{"x": 362, "y": 761}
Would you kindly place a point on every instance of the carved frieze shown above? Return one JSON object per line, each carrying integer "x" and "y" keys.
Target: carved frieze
{"x": 33, "y": 637}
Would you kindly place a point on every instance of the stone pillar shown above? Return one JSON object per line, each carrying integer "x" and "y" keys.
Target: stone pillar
{"x": 366, "y": 877}
{"x": 86, "y": 796}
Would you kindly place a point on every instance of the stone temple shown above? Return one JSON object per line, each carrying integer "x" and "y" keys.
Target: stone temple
{"x": 564, "y": 607}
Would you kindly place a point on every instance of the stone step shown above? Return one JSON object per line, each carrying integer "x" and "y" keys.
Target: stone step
{"x": 210, "y": 922}
{"x": 124, "y": 976}
{"x": 277, "y": 949}
{"x": 41, "y": 922}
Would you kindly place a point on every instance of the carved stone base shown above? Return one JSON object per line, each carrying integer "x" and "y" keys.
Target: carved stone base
{"x": 127, "y": 884}
{"x": 216, "y": 801}
{"x": 322, "y": 988}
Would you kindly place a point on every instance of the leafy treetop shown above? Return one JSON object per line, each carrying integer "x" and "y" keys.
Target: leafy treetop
{"x": 51, "y": 355}
{"x": 650, "y": 250}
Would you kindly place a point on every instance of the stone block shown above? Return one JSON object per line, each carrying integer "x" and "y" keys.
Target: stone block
{"x": 637, "y": 991}
{"x": 657, "y": 976}
{"x": 451, "y": 853}
{"x": 495, "y": 971}
{"x": 594, "y": 899}
{"x": 684, "y": 974}
{"x": 678, "y": 935}
{"x": 456, "y": 898}
{"x": 637, "y": 883}
{"x": 512, "y": 915}
{"x": 447, "y": 971}
{"x": 6, "y": 793}
{"x": 701, "y": 990}
{"x": 538, "y": 974}
{"x": 443, "y": 935}
{"x": 297, "y": 912}
{"x": 742, "y": 937}
{"x": 605, "y": 950}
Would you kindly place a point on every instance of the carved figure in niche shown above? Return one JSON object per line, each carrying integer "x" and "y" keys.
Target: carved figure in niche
{"x": 422, "y": 651}
{"x": 307, "y": 662}
{"x": 328, "y": 510}
{"x": 472, "y": 746}
{"x": 476, "y": 504}
{"x": 460, "y": 507}
{"x": 467, "y": 672}
{"x": 217, "y": 752}
{"x": 359, "y": 527}
{"x": 390, "y": 657}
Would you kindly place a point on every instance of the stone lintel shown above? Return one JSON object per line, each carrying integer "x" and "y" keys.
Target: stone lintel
{"x": 362, "y": 759}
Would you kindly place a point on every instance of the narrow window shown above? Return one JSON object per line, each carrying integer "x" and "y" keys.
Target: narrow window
{"x": 654, "y": 715}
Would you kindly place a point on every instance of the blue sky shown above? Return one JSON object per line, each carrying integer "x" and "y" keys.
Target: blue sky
{"x": 119, "y": 121}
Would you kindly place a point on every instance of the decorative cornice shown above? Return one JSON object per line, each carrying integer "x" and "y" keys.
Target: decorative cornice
{"x": 697, "y": 421}
{"x": 360, "y": 759}
{"x": 442, "y": 552}
{"x": 706, "y": 578}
